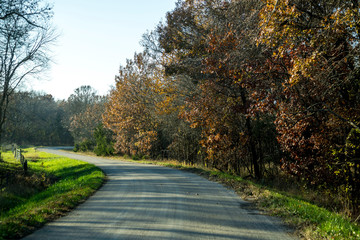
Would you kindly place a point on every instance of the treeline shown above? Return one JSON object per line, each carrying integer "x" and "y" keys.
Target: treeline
{"x": 34, "y": 118}
{"x": 248, "y": 87}
{"x": 38, "y": 119}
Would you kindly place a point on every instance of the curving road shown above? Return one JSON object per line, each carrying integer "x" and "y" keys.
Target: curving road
{"x": 152, "y": 202}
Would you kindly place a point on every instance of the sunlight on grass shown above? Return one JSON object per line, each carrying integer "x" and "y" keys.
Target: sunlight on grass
{"x": 76, "y": 180}
{"x": 318, "y": 222}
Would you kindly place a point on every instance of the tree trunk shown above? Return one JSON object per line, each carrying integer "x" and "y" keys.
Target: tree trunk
{"x": 254, "y": 156}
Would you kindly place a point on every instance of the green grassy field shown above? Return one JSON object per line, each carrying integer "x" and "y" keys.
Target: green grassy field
{"x": 53, "y": 186}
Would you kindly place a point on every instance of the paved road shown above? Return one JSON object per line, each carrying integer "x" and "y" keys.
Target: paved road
{"x": 153, "y": 202}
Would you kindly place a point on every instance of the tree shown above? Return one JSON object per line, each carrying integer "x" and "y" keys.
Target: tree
{"x": 212, "y": 43}
{"x": 318, "y": 118}
{"x": 83, "y": 110}
{"x": 25, "y": 37}
{"x": 83, "y": 97}
{"x": 131, "y": 107}
{"x": 83, "y": 124}
{"x": 34, "y": 118}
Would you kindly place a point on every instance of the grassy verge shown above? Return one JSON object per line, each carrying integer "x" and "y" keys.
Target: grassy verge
{"x": 308, "y": 220}
{"x": 58, "y": 185}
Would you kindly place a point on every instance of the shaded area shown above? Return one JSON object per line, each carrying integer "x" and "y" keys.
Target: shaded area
{"x": 16, "y": 187}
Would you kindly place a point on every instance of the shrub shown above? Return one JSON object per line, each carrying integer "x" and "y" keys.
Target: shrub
{"x": 104, "y": 143}
{"x": 87, "y": 145}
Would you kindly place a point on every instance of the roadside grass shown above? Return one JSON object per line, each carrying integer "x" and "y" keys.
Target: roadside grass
{"x": 53, "y": 186}
{"x": 308, "y": 220}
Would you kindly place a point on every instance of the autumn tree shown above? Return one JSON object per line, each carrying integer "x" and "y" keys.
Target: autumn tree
{"x": 176, "y": 139}
{"x": 84, "y": 123}
{"x": 130, "y": 110}
{"x": 83, "y": 111}
{"x": 25, "y": 37}
{"x": 213, "y": 44}
{"x": 318, "y": 117}
{"x": 83, "y": 97}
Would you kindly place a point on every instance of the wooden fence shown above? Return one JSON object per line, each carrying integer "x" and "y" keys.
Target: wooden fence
{"x": 4, "y": 175}
{"x": 18, "y": 155}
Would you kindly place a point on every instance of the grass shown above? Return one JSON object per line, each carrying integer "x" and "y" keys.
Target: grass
{"x": 53, "y": 186}
{"x": 316, "y": 222}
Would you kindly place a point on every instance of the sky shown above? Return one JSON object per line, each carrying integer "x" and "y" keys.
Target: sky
{"x": 96, "y": 37}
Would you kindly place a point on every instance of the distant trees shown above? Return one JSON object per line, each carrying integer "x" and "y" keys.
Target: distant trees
{"x": 83, "y": 111}
{"x": 80, "y": 100}
{"x": 35, "y": 119}
{"x": 25, "y": 36}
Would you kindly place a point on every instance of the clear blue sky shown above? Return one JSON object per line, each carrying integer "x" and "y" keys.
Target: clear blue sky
{"x": 96, "y": 37}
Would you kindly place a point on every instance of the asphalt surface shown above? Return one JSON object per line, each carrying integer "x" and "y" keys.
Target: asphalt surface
{"x": 153, "y": 202}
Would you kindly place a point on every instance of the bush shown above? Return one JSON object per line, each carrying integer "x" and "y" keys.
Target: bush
{"x": 104, "y": 143}
{"x": 87, "y": 145}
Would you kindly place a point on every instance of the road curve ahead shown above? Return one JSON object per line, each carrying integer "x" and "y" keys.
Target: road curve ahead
{"x": 153, "y": 202}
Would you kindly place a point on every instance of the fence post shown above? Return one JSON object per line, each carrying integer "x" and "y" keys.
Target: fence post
{"x": 23, "y": 162}
{"x": 18, "y": 155}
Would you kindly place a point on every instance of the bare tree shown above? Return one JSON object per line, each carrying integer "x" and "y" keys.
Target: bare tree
{"x": 25, "y": 37}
